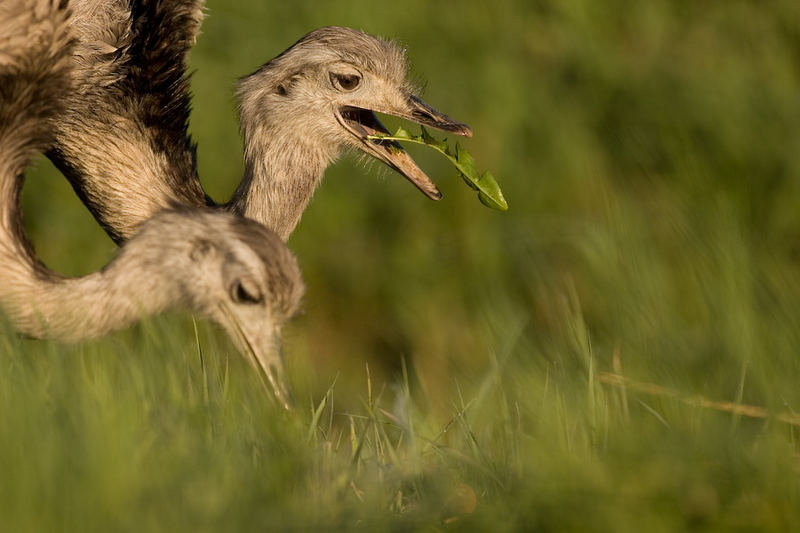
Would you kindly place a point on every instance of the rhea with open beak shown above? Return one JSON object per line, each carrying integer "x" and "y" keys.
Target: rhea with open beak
{"x": 320, "y": 96}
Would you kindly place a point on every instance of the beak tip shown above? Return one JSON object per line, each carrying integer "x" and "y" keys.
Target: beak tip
{"x": 464, "y": 131}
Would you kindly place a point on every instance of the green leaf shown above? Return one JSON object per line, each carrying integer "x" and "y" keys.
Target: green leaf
{"x": 430, "y": 140}
{"x": 403, "y": 134}
{"x": 489, "y": 192}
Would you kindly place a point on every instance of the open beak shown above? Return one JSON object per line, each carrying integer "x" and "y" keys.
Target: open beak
{"x": 362, "y": 123}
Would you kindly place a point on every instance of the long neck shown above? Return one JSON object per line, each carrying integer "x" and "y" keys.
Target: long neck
{"x": 284, "y": 154}
{"x": 42, "y": 304}
{"x": 35, "y": 79}
{"x": 279, "y": 180}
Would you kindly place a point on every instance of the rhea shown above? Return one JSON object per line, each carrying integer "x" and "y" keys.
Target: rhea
{"x": 230, "y": 269}
{"x": 123, "y": 140}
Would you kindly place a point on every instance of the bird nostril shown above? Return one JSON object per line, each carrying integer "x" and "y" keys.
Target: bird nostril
{"x": 422, "y": 115}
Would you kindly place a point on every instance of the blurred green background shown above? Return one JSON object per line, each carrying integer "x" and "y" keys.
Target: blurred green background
{"x": 650, "y": 155}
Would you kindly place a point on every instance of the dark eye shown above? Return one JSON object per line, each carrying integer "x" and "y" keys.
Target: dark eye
{"x": 345, "y": 82}
{"x": 244, "y": 291}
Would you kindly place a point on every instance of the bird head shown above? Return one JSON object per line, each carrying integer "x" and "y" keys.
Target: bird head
{"x": 326, "y": 89}
{"x": 245, "y": 279}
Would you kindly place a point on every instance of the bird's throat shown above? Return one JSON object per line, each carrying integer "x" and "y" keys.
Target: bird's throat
{"x": 279, "y": 180}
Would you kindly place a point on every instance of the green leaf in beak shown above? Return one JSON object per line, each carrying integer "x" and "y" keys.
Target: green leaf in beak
{"x": 489, "y": 192}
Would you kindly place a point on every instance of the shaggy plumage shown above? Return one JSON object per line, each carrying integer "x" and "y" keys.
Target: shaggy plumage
{"x": 227, "y": 268}
{"x": 123, "y": 140}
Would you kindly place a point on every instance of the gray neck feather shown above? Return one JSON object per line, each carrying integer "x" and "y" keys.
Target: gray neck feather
{"x": 42, "y": 304}
{"x": 283, "y": 168}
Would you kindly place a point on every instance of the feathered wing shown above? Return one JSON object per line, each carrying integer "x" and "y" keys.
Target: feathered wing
{"x": 123, "y": 140}
{"x": 163, "y": 33}
{"x": 102, "y": 32}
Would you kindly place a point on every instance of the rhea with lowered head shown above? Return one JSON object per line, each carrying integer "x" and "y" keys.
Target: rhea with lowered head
{"x": 230, "y": 269}
{"x": 123, "y": 141}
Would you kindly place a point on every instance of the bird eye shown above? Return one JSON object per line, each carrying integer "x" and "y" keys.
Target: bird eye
{"x": 245, "y": 292}
{"x": 345, "y": 82}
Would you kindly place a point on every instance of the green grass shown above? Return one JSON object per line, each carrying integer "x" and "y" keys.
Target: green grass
{"x": 649, "y": 155}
